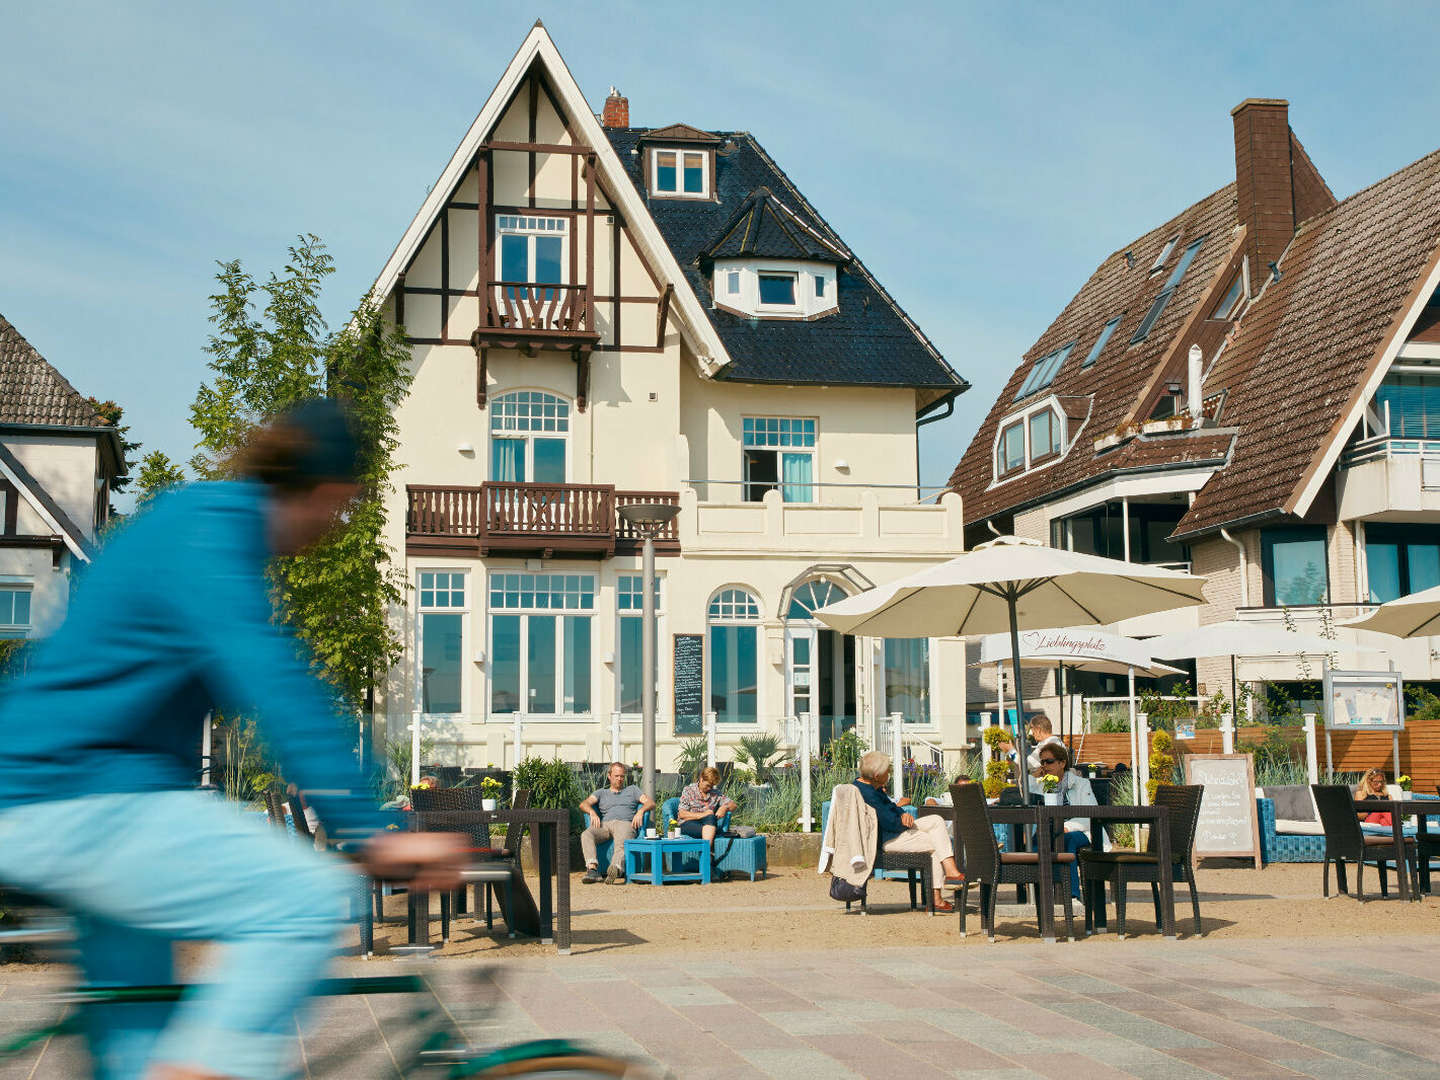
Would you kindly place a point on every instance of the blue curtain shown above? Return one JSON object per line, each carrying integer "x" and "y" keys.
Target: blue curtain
{"x": 507, "y": 460}
{"x": 795, "y": 474}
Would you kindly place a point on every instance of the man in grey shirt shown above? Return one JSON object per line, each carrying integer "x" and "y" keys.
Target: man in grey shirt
{"x": 615, "y": 814}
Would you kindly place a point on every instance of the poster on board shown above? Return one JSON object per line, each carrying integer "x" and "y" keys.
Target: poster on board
{"x": 1229, "y": 822}
{"x": 1364, "y": 701}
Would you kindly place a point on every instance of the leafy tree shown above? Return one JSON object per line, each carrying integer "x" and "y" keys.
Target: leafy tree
{"x": 111, "y": 414}
{"x": 337, "y": 594}
{"x": 157, "y": 473}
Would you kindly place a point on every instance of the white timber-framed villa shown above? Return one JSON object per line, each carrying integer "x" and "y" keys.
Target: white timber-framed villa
{"x": 603, "y": 314}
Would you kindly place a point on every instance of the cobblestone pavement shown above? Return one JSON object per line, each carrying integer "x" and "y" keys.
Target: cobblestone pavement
{"x": 1138, "y": 1008}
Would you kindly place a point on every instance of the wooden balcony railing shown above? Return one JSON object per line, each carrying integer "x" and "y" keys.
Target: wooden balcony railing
{"x": 544, "y": 518}
{"x": 524, "y": 305}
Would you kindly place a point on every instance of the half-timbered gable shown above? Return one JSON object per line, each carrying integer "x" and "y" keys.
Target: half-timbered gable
{"x": 572, "y": 355}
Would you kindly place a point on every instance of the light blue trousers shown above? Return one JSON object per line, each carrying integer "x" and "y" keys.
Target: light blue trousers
{"x": 143, "y": 871}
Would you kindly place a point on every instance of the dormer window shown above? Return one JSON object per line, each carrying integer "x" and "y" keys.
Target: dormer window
{"x": 1029, "y": 439}
{"x": 680, "y": 174}
{"x": 777, "y": 290}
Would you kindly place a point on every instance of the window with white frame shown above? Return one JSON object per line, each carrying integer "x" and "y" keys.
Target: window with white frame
{"x": 779, "y": 453}
{"x": 733, "y": 622}
{"x": 777, "y": 288}
{"x": 540, "y": 643}
{"x": 14, "y": 611}
{"x": 630, "y": 610}
{"x": 442, "y": 609}
{"x": 531, "y": 249}
{"x": 529, "y": 430}
{"x": 1031, "y": 438}
{"x": 907, "y": 679}
{"x": 680, "y": 174}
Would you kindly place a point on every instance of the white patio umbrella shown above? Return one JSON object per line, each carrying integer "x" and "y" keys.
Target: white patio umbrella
{"x": 1015, "y": 584}
{"x": 1416, "y": 615}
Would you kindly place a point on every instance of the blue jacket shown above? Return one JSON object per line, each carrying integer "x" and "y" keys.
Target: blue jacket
{"x": 172, "y": 620}
{"x": 887, "y": 814}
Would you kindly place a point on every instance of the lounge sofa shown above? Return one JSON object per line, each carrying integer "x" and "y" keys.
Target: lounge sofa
{"x": 1286, "y": 833}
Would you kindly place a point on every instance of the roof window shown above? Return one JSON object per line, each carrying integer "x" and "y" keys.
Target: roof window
{"x": 1230, "y": 302}
{"x": 1164, "y": 253}
{"x": 1143, "y": 330}
{"x": 1029, "y": 439}
{"x": 1044, "y": 371}
{"x": 1099, "y": 346}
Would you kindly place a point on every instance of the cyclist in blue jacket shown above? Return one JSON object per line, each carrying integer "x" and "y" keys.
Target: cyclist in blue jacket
{"x": 174, "y": 619}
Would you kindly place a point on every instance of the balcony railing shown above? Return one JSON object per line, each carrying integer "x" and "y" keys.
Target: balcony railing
{"x": 546, "y": 518}
{"x": 524, "y": 305}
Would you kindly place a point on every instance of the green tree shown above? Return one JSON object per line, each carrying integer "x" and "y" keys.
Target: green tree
{"x": 157, "y": 473}
{"x": 337, "y": 594}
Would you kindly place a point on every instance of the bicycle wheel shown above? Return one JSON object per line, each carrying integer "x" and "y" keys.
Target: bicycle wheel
{"x": 563, "y": 1065}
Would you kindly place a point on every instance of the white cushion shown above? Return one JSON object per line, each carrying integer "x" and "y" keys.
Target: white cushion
{"x": 1299, "y": 828}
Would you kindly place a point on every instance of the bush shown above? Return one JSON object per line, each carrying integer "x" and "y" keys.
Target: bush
{"x": 1162, "y": 763}
{"x": 763, "y": 754}
{"x": 553, "y": 786}
{"x": 844, "y": 751}
{"x": 694, "y": 755}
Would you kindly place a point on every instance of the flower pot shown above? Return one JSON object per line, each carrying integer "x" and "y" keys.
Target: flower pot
{"x": 1052, "y": 798}
{"x": 674, "y": 834}
{"x": 486, "y": 804}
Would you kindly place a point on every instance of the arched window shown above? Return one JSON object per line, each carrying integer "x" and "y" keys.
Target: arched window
{"x": 811, "y": 595}
{"x": 529, "y": 430}
{"x": 734, "y": 634}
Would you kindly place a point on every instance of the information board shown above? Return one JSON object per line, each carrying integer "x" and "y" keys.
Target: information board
{"x": 1364, "y": 701}
{"x": 1229, "y": 824}
{"x": 689, "y": 650}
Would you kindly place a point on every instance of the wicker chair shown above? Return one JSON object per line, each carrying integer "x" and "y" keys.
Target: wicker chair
{"x": 297, "y": 815}
{"x": 987, "y": 866}
{"x": 1122, "y": 867}
{"x": 275, "y": 808}
{"x": 915, "y": 865}
{"x": 1345, "y": 842}
{"x": 464, "y": 800}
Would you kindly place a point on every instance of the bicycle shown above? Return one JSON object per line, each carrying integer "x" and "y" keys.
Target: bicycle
{"x": 438, "y": 1048}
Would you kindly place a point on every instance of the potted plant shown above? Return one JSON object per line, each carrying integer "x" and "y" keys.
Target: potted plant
{"x": 674, "y": 829}
{"x": 490, "y": 789}
{"x": 1404, "y": 782}
{"x": 1050, "y": 788}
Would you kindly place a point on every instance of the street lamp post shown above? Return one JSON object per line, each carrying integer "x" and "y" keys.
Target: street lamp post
{"x": 648, "y": 519}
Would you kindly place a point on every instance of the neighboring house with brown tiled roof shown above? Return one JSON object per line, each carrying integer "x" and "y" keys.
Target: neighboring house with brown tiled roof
{"x": 58, "y": 458}
{"x": 1251, "y": 388}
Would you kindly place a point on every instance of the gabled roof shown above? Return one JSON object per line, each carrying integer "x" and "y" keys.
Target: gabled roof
{"x": 868, "y": 341}
{"x": 1310, "y": 350}
{"x": 44, "y": 504}
{"x": 1122, "y": 286}
{"x": 33, "y": 392}
{"x": 682, "y": 133}
{"x": 765, "y": 227}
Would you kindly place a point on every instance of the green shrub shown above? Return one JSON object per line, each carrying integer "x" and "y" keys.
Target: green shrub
{"x": 844, "y": 751}
{"x": 553, "y": 786}
{"x": 763, "y": 753}
{"x": 694, "y": 755}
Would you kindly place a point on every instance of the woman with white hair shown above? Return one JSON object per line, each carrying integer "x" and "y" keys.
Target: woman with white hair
{"x": 902, "y": 831}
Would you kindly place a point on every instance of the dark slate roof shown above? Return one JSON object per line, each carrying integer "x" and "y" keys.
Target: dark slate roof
{"x": 1300, "y": 358}
{"x": 869, "y": 341}
{"x": 33, "y": 392}
{"x": 766, "y": 227}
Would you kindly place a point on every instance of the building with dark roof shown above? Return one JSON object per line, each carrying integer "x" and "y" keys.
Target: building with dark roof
{"x": 58, "y": 459}
{"x": 603, "y": 314}
{"x": 1252, "y": 388}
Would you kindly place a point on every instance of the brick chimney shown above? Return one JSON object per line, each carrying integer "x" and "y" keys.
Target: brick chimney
{"x": 617, "y": 110}
{"x": 1264, "y": 183}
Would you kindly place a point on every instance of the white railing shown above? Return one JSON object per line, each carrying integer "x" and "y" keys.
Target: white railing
{"x": 1121, "y": 706}
{"x": 1387, "y": 446}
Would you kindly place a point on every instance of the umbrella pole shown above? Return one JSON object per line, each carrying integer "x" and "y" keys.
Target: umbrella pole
{"x": 1022, "y": 765}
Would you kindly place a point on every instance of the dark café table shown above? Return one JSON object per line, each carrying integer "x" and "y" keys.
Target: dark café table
{"x": 550, "y": 837}
{"x": 1157, "y": 817}
{"x": 1399, "y": 809}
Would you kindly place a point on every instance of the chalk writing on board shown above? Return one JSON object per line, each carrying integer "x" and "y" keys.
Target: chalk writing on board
{"x": 689, "y": 651}
{"x": 1227, "y": 825}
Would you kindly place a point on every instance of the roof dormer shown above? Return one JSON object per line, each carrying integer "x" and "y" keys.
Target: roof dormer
{"x": 679, "y": 162}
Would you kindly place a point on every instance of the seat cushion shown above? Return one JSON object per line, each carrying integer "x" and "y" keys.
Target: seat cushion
{"x": 1130, "y": 857}
{"x": 1033, "y": 858}
{"x": 1385, "y": 841}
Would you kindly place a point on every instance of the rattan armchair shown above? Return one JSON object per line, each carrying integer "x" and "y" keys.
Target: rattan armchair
{"x": 1346, "y": 842}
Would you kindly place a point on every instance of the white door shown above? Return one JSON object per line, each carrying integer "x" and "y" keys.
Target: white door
{"x": 800, "y": 660}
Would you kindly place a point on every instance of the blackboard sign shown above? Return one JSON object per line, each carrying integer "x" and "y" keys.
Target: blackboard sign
{"x": 1229, "y": 825}
{"x": 689, "y": 684}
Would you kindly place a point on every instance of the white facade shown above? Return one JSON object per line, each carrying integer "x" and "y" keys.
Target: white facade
{"x": 787, "y": 495}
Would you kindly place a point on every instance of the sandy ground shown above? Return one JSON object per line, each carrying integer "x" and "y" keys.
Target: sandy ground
{"x": 791, "y": 910}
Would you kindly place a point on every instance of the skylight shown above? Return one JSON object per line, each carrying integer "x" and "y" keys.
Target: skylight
{"x": 1044, "y": 371}
{"x": 1143, "y": 330}
{"x": 1164, "y": 253}
{"x": 1099, "y": 346}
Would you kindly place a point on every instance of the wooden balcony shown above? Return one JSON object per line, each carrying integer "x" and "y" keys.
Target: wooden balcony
{"x": 524, "y": 315}
{"x": 532, "y": 519}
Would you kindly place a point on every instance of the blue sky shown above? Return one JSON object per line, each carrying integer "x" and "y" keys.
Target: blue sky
{"x": 982, "y": 159}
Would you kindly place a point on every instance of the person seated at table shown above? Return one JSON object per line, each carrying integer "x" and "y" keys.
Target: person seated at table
{"x": 702, "y": 806}
{"x": 1372, "y": 789}
{"x": 1074, "y": 790}
{"x": 615, "y": 813}
{"x": 900, "y": 831}
{"x": 1042, "y": 732}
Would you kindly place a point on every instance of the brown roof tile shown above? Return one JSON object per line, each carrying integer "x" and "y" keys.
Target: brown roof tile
{"x": 1300, "y": 357}
{"x": 33, "y": 392}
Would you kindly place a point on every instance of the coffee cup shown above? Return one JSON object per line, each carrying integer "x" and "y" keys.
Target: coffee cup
{"x": 651, "y": 834}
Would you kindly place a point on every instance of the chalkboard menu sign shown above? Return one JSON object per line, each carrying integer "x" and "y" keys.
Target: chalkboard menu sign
{"x": 689, "y": 684}
{"x": 1229, "y": 825}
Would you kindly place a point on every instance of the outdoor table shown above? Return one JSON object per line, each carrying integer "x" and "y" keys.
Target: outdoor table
{"x": 550, "y": 837}
{"x": 1399, "y": 809}
{"x": 1157, "y": 817}
{"x": 658, "y": 848}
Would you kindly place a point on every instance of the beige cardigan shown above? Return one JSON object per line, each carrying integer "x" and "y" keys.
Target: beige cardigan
{"x": 851, "y": 836}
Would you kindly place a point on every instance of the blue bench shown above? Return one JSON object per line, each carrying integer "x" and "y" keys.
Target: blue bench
{"x": 1289, "y": 848}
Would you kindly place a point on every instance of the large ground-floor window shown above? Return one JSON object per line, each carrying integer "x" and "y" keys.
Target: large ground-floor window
{"x": 441, "y": 603}
{"x": 630, "y": 606}
{"x": 907, "y": 678}
{"x": 734, "y": 648}
{"x": 540, "y": 654}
